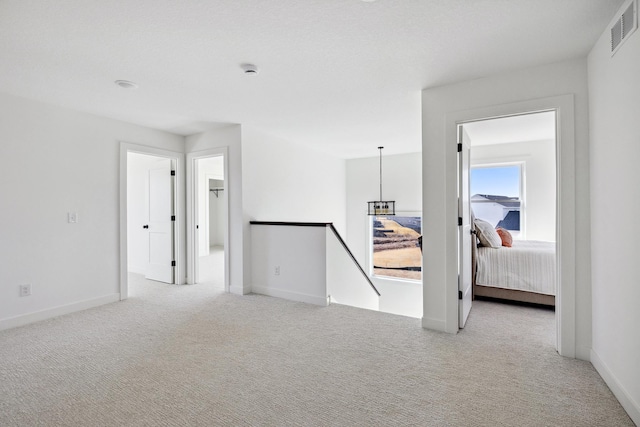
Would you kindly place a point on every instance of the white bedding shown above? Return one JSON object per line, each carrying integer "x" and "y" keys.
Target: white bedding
{"x": 527, "y": 266}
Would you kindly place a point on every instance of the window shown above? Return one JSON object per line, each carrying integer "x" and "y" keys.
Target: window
{"x": 496, "y": 195}
{"x": 397, "y": 247}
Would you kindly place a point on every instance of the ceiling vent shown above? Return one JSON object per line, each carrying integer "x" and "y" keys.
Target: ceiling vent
{"x": 624, "y": 25}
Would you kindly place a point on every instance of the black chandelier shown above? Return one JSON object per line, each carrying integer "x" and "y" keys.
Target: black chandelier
{"x": 381, "y": 207}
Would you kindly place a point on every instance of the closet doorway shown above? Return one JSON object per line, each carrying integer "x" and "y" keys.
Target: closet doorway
{"x": 208, "y": 218}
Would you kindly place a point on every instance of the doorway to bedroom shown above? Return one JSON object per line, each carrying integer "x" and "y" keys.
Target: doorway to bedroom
{"x": 511, "y": 202}
{"x": 151, "y": 218}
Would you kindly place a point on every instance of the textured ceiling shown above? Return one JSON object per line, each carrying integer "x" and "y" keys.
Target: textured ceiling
{"x": 342, "y": 75}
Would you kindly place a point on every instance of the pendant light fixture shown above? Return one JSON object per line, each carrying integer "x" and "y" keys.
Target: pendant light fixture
{"x": 381, "y": 207}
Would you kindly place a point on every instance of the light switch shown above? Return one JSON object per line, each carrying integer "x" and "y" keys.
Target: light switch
{"x": 72, "y": 217}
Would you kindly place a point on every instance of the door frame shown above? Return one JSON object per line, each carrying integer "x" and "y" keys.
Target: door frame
{"x": 565, "y": 209}
{"x": 207, "y": 210}
{"x": 192, "y": 212}
{"x": 178, "y": 238}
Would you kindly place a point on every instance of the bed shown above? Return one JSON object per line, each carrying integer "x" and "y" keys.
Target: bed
{"x": 524, "y": 272}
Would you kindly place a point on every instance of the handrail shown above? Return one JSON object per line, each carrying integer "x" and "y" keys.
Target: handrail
{"x": 295, "y": 224}
{"x": 335, "y": 232}
{"x": 344, "y": 245}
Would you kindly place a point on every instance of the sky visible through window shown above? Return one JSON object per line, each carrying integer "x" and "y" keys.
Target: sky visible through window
{"x": 496, "y": 181}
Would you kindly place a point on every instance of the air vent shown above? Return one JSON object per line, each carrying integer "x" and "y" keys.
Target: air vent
{"x": 629, "y": 22}
{"x": 624, "y": 26}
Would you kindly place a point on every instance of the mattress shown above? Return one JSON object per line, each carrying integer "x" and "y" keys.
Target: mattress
{"x": 528, "y": 265}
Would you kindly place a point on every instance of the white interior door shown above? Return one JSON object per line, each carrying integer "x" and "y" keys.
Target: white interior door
{"x": 161, "y": 223}
{"x": 464, "y": 230}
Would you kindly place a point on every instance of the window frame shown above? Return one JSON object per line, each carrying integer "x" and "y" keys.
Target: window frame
{"x": 369, "y": 248}
{"x": 507, "y": 163}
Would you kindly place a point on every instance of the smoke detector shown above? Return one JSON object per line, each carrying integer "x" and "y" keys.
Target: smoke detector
{"x": 249, "y": 69}
{"x": 126, "y": 84}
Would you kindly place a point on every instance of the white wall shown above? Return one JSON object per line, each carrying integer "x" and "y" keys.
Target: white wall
{"x": 439, "y": 183}
{"x": 298, "y": 254}
{"x": 614, "y": 101}
{"x": 284, "y": 181}
{"x": 55, "y": 161}
{"x": 307, "y": 264}
{"x": 539, "y": 159}
{"x": 138, "y": 166}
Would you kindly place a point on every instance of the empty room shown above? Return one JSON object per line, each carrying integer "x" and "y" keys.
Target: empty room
{"x": 268, "y": 213}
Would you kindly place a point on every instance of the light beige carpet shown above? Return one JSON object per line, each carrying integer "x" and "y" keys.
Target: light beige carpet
{"x": 192, "y": 356}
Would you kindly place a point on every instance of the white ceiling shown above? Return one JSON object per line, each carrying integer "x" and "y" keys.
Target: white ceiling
{"x": 342, "y": 75}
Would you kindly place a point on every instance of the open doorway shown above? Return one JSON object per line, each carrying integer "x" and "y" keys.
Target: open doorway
{"x": 511, "y": 199}
{"x": 565, "y": 305}
{"x": 151, "y": 216}
{"x": 211, "y": 222}
{"x": 208, "y": 231}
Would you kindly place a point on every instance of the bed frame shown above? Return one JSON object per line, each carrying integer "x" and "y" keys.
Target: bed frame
{"x": 513, "y": 295}
{"x": 502, "y": 293}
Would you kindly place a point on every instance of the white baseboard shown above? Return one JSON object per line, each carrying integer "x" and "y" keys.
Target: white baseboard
{"x": 25, "y": 319}
{"x": 137, "y": 269}
{"x": 628, "y": 403}
{"x": 583, "y": 353}
{"x": 436, "y": 325}
{"x": 292, "y": 296}
{"x": 238, "y": 290}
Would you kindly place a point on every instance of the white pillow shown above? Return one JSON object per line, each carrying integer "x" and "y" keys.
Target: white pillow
{"x": 487, "y": 234}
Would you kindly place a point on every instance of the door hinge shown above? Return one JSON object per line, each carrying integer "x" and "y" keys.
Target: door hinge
{"x": 173, "y": 173}
{"x": 173, "y": 217}
{"x": 459, "y": 147}
{"x": 459, "y": 221}
{"x": 459, "y": 294}
{"x": 173, "y": 263}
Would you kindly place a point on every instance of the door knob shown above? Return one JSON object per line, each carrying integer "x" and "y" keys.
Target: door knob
{"x": 145, "y": 226}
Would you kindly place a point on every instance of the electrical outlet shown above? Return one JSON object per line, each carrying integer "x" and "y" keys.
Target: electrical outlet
{"x": 25, "y": 290}
{"x": 72, "y": 217}
{"x": 277, "y": 270}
